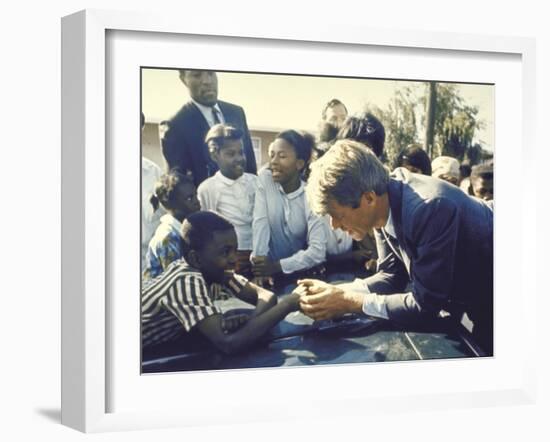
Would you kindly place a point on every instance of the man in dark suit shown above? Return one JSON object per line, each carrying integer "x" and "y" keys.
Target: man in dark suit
{"x": 183, "y": 143}
{"x": 435, "y": 243}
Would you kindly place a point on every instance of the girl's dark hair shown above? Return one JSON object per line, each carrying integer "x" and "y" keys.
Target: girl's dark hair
{"x": 465, "y": 170}
{"x": 198, "y": 229}
{"x": 165, "y": 189}
{"x": 366, "y": 129}
{"x": 415, "y": 156}
{"x": 302, "y": 142}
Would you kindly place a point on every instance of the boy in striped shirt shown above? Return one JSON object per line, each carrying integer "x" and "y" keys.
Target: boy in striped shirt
{"x": 178, "y": 307}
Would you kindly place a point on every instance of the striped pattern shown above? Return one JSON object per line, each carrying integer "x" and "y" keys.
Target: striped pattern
{"x": 174, "y": 302}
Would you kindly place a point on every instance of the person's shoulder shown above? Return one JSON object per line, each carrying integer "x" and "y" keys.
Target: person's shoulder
{"x": 265, "y": 172}
{"x": 250, "y": 178}
{"x": 178, "y": 272}
{"x": 265, "y": 177}
{"x": 149, "y": 166}
{"x": 186, "y": 111}
{"x": 207, "y": 185}
{"x": 229, "y": 106}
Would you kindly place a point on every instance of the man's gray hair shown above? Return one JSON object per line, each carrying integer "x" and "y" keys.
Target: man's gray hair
{"x": 343, "y": 174}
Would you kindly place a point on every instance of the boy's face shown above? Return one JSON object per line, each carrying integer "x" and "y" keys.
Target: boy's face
{"x": 482, "y": 188}
{"x": 186, "y": 201}
{"x": 218, "y": 255}
{"x": 230, "y": 159}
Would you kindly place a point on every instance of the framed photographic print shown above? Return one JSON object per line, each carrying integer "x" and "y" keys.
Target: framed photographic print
{"x": 266, "y": 95}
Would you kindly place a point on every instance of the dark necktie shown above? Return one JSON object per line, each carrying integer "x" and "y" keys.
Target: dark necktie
{"x": 397, "y": 250}
{"x": 215, "y": 115}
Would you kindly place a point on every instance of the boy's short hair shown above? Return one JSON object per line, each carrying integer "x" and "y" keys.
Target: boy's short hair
{"x": 199, "y": 228}
{"x": 219, "y": 134}
{"x": 483, "y": 170}
{"x": 414, "y": 155}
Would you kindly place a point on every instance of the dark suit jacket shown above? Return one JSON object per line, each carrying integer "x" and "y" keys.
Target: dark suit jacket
{"x": 448, "y": 238}
{"x": 183, "y": 143}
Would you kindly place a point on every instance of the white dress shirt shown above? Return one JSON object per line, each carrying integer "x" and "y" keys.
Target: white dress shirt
{"x": 285, "y": 228}
{"x": 207, "y": 112}
{"x": 374, "y": 304}
{"x": 150, "y": 173}
{"x": 234, "y": 200}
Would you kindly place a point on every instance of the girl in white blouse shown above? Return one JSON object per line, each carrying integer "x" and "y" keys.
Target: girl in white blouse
{"x": 289, "y": 241}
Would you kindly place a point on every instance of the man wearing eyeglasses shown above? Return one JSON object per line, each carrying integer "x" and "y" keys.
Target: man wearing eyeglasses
{"x": 183, "y": 143}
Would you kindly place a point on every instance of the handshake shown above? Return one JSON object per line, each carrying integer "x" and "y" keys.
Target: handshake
{"x": 320, "y": 300}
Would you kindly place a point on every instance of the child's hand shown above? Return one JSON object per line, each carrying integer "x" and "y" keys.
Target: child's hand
{"x": 295, "y": 296}
{"x": 233, "y": 322}
{"x": 227, "y": 276}
{"x": 263, "y": 281}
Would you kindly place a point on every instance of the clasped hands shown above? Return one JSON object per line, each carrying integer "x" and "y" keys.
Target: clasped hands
{"x": 320, "y": 300}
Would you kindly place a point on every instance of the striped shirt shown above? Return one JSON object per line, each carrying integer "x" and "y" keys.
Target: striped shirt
{"x": 177, "y": 300}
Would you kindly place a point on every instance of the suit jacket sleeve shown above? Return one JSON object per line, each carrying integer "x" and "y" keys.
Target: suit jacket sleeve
{"x": 174, "y": 148}
{"x": 433, "y": 236}
{"x": 248, "y": 147}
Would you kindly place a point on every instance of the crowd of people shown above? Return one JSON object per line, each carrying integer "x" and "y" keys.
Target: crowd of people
{"x": 325, "y": 227}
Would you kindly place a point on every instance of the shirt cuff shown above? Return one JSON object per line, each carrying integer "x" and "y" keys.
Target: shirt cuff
{"x": 358, "y": 285}
{"x": 288, "y": 265}
{"x": 375, "y": 305}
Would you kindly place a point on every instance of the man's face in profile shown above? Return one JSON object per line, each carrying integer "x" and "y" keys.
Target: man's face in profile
{"x": 357, "y": 222}
{"x": 202, "y": 85}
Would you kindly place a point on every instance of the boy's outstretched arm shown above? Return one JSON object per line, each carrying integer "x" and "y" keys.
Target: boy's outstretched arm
{"x": 263, "y": 299}
{"x": 252, "y": 331}
{"x": 252, "y": 294}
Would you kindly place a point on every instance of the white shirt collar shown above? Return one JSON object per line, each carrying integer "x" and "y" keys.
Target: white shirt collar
{"x": 207, "y": 111}
{"x": 389, "y": 227}
{"x": 227, "y": 181}
{"x": 292, "y": 195}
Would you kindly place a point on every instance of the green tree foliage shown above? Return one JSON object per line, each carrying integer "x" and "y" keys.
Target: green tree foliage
{"x": 399, "y": 120}
{"x": 455, "y": 123}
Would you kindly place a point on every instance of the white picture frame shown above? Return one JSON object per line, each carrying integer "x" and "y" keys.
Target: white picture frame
{"x": 86, "y": 216}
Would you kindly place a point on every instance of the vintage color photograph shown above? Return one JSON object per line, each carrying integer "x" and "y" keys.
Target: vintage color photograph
{"x": 299, "y": 220}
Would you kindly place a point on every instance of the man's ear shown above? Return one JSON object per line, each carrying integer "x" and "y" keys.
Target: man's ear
{"x": 193, "y": 259}
{"x": 182, "y": 78}
{"x": 368, "y": 198}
